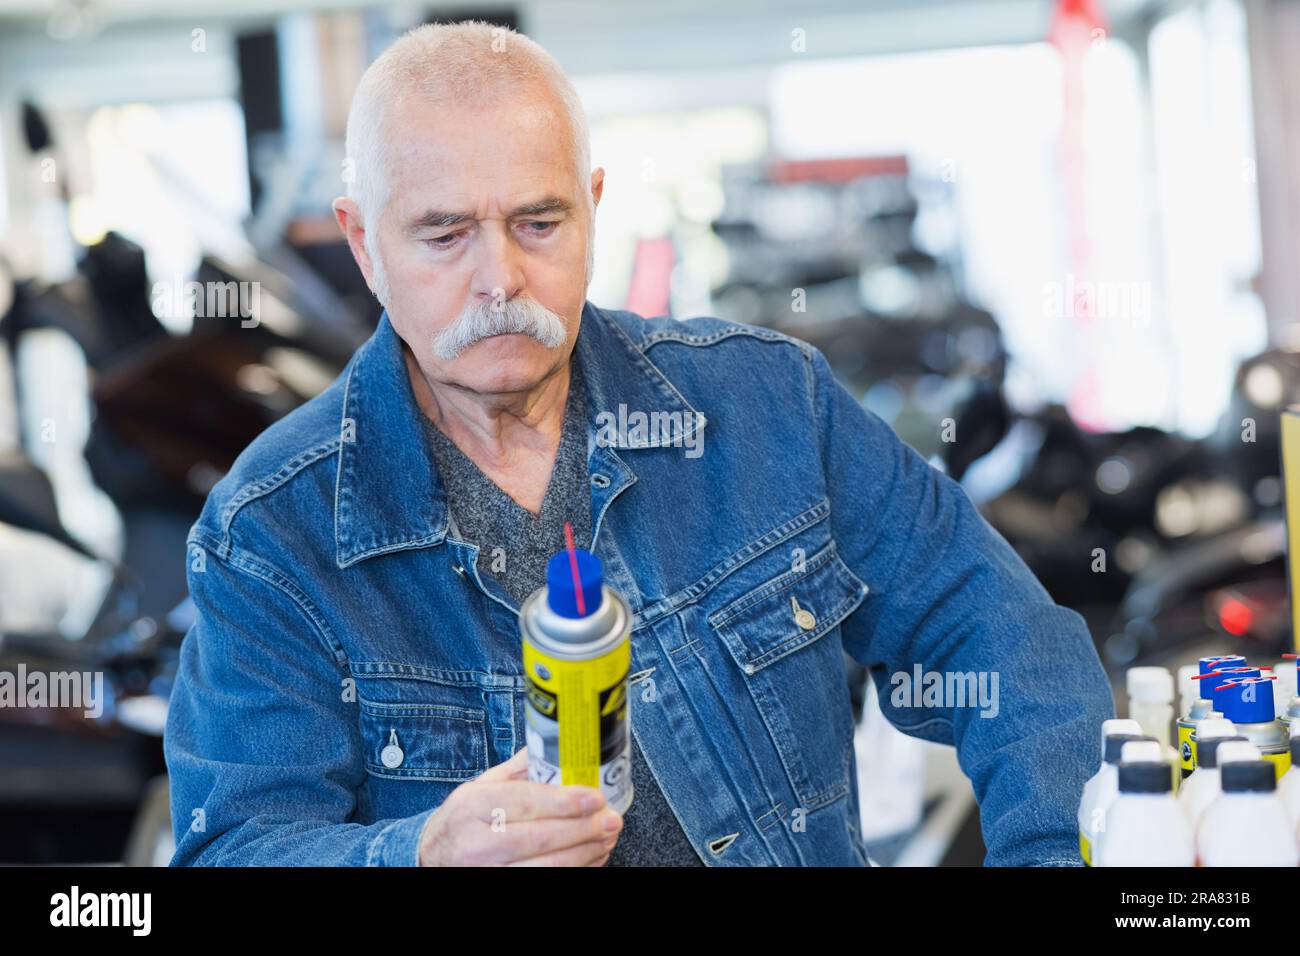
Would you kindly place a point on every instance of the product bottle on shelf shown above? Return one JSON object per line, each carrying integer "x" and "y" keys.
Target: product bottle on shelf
{"x": 1248, "y": 703}
{"x": 1247, "y": 825}
{"x": 1188, "y": 686}
{"x": 1202, "y": 787}
{"x": 1288, "y": 788}
{"x": 1151, "y": 701}
{"x": 1143, "y": 825}
{"x": 1284, "y": 689}
{"x": 1141, "y": 750}
{"x": 1200, "y": 709}
{"x": 1104, "y": 784}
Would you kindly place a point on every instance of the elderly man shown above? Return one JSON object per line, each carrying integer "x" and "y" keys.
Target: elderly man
{"x": 352, "y": 691}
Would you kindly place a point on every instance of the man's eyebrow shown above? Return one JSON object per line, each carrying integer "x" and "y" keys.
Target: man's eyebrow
{"x": 438, "y": 219}
{"x": 541, "y": 207}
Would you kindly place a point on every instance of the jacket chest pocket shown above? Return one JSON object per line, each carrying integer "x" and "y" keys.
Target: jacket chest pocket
{"x": 424, "y": 741}
{"x": 782, "y": 635}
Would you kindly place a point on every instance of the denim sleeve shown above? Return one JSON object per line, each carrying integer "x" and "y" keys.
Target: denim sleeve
{"x": 262, "y": 747}
{"x": 949, "y": 594}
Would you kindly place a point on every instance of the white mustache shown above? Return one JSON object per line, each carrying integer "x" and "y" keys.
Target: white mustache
{"x": 476, "y": 322}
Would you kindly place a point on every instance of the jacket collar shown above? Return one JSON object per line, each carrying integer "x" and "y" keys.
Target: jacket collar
{"x": 388, "y": 495}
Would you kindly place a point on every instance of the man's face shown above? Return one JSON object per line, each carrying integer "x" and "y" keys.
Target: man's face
{"x": 483, "y": 212}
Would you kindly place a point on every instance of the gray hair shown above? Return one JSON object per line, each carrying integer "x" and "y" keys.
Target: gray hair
{"x": 471, "y": 62}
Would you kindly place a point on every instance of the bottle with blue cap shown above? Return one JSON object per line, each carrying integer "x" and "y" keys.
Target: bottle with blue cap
{"x": 1215, "y": 681}
{"x": 577, "y": 652}
{"x": 1197, "y": 704}
{"x": 1247, "y": 701}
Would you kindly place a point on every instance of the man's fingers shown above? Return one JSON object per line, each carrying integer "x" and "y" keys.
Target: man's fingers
{"x": 528, "y": 800}
{"x": 531, "y": 838}
{"x": 516, "y": 766}
{"x": 587, "y": 853}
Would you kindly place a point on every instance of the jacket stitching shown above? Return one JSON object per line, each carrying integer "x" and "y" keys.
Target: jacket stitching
{"x": 638, "y": 354}
{"x": 262, "y": 486}
{"x": 808, "y": 518}
{"x": 278, "y": 579}
{"x": 754, "y": 332}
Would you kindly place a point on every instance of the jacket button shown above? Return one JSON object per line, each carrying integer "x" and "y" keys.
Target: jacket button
{"x": 392, "y": 755}
{"x": 458, "y": 569}
{"x": 802, "y": 616}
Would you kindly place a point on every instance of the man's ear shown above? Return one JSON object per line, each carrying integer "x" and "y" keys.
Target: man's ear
{"x": 597, "y": 185}
{"x": 348, "y": 215}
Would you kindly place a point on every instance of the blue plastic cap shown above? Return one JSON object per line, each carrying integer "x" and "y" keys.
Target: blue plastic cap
{"x": 1220, "y": 697}
{"x": 561, "y": 594}
{"x": 1226, "y": 674}
{"x": 1246, "y": 701}
{"x": 1208, "y": 664}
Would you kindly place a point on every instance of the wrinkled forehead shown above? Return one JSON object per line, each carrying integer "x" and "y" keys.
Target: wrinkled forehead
{"x": 487, "y": 151}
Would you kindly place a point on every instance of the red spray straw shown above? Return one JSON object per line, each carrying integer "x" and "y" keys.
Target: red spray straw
{"x": 1229, "y": 670}
{"x": 1244, "y": 680}
{"x": 573, "y": 565}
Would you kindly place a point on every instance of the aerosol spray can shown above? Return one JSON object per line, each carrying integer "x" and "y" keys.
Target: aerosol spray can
{"x": 1201, "y": 709}
{"x": 1248, "y": 703}
{"x": 577, "y": 653}
{"x": 1215, "y": 681}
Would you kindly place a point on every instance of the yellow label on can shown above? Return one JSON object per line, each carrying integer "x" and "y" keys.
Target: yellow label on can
{"x": 1281, "y": 763}
{"x": 578, "y": 716}
{"x": 1085, "y": 849}
{"x": 1186, "y": 750}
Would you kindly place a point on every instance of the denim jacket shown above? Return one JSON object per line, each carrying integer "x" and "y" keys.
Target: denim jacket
{"x": 776, "y": 527}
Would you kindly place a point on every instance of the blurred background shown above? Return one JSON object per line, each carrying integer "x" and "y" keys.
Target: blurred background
{"x": 1055, "y": 243}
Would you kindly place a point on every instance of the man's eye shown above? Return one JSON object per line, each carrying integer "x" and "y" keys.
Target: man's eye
{"x": 540, "y": 227}
{"x": 443, "y": 242}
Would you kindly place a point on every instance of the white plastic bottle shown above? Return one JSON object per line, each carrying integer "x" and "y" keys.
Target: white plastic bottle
{"x": 1151, "y": 702}
{"x": 1104, "y": 784}
{"x": 1284, "y": 688}
{"x": 1288, "y": 788}
{"x": 1202, "y": 787}
{"x": 1136, "y": 750}
{"x": 1143, "y": 825}
{"x": 1247, "y": 825}
{"x": 1188, "y": 687}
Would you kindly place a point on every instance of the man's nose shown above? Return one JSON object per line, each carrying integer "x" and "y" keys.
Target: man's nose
{"x": 497, "y": 265}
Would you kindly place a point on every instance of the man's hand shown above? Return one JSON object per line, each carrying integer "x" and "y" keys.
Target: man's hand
{"x": 501, "y": 818}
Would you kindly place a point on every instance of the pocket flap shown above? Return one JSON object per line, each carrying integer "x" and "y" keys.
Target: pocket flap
{"x": 789, "y": 611}
{"x": 432, "y": 741}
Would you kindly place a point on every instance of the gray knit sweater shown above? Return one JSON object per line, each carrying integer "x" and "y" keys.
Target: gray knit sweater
{"x": 488, "y": 517}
